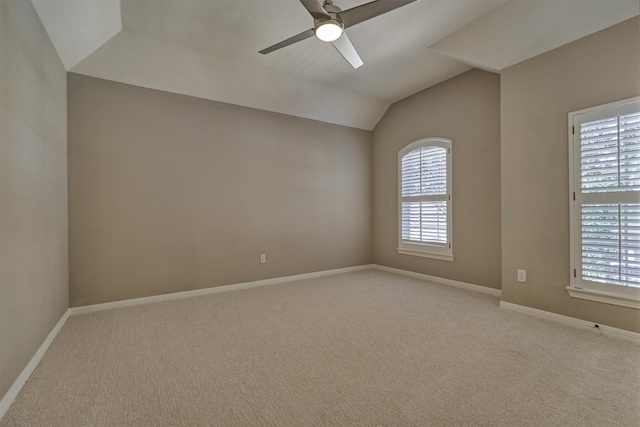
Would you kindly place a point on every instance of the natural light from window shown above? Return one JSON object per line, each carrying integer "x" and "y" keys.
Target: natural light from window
{"x": 425, "y": 199}
{"x": 606, "y": 201}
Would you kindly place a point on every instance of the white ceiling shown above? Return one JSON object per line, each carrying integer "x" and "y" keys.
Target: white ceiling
{"x": 209, "y": 48}
{"x": 78, "y": 27}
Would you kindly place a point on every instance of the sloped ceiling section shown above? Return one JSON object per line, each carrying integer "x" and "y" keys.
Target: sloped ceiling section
{"x": 522, "y": 29}
{"x": 209, "y": 48}
{"x": 78, "y": 27}
{"x": 147, "y": 62}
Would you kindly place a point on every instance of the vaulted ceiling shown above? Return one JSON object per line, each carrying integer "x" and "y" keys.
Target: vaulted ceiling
{"x": 209, "y": 48}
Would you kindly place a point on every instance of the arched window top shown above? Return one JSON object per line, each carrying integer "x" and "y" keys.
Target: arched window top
{"x": 425, "y": 142}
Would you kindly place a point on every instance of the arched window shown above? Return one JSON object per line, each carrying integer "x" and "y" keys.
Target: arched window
{"x": 424, "y": 199}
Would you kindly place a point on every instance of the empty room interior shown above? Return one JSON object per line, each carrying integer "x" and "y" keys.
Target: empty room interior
{"x": 306, "y": 212}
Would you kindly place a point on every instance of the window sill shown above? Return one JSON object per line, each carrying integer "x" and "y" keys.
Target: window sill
{"x": 604, "y": 297}
{"x": 425, "y": 254}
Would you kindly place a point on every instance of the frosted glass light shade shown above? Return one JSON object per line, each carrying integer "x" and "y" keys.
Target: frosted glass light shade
{"x": 328, "y": 31}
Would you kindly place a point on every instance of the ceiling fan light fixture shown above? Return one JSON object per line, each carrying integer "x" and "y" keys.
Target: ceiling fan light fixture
{"x": 328, "y": 30}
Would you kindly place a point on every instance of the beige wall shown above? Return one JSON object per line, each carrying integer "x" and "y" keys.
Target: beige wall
{"x": 465, "y": 109}
{"x": 33, "y": 188}
{"x": 537, "y": 95}
{"x": 169, "y": 193}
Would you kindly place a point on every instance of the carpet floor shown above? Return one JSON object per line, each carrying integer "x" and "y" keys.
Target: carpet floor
{"x": 364, "y": 348}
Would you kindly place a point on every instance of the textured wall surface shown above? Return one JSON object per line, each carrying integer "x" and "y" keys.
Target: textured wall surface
{"x": 170, "y": 193}
{"x": 537, "y": 96}
{"x": 465, "y": 109}
{"x": 34, "y": 272}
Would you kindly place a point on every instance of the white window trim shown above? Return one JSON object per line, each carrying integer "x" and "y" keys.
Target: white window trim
{"x": 439, "y": 252}
{"x": 593, "y": 291}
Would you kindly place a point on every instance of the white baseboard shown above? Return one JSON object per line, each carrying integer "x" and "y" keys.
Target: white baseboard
{"x": 455, "y": 283}
{"x": 11, "y": 395}
{"x": 604, "y": 329}
{"x": 213, "y": 290}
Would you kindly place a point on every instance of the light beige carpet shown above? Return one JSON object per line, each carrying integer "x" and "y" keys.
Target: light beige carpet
{"x": 365, "y": 348}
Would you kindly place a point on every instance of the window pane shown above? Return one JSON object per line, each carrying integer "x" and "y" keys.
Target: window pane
{"x": 630, "y": 152}
{"x": 630, "y": 244}
{"x": 424, "y": 172}
{"x": 411, "y": 214}
{"x": 610, "y": 154}
{"x": 433, "y": 171}
{"x": 611, "y": 244}
{"x": 411, "y": 184}
{"x": 600, "y": 249}
{"x": 424, "y": 222}
{"x": 599, "y": 155}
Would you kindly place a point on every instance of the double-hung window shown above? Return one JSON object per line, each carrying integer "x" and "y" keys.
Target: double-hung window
{"x": 604, "y": 158}
{"x": 424, "y": 199}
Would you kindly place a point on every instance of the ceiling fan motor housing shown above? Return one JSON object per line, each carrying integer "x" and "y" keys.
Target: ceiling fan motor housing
{"x": 333, "y": 12}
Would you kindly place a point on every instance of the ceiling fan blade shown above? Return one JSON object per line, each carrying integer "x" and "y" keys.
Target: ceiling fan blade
{"x": 315, "y": 9}
{"x": 364, "y": 12}
{"x": 287, "y": 42}
{"x": 346, "y": 49}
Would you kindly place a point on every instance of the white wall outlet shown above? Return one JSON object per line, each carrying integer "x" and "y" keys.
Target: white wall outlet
{"x": 522, "y": 276}
{"x": 263, "y": 258}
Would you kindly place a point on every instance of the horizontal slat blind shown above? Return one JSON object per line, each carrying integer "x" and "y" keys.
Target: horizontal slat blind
{"x": 630, "y": 245}
{"x": 611, "y": 244}
{"x": 600, "y": 243}
{"x": 424, "y": 172}
{"x": 610, "y": 232}
{"x": 610, "y": 153}
{"x": 411, "y": 178}
{"x": 424, "y": 222}
{"x": 630, "y": 152}
{"x": 424, "y": 195}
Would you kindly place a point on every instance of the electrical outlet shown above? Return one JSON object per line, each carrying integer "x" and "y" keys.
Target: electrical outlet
{"x": 522, "y": 276}
{"x": 263, "y": 258}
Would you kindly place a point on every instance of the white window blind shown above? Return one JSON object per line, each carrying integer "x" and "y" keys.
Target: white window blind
{"x": 610, "y": 153}
{"x": 425, "y": 198}
{"x": 610, "y": 243}
{"x": 606, "y": 210}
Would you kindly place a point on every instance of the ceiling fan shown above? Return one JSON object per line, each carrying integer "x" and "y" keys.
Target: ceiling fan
{"x": 330, "y": 22}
